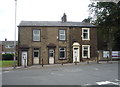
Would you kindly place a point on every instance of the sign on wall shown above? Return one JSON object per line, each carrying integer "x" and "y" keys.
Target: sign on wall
{"x": 115, "y": 54}
{"x": 105, "y": 54}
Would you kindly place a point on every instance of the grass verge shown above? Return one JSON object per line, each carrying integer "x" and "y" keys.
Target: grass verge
{"x": 7, "y": 63}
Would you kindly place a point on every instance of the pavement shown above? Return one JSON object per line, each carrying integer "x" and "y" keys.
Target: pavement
{"x": 54, "y": 65}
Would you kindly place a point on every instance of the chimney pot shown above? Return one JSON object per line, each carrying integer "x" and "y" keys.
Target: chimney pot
{"x": 64, "y": 18}
{"x": 5, "y": 39}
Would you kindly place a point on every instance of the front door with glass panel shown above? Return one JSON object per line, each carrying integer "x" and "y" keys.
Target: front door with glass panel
{"x": 51, "y": 56}
{"x": 76, "y": 54}
{"x": 24, "y": 58}
{"x": 36, "y": 57}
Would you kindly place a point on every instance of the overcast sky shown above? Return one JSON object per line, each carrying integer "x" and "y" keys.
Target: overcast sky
{"x": 39, "y": 10}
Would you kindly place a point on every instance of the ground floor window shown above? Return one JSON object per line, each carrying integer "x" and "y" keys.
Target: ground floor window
{"x": 62, "y": 53}
{"x": 85, "y": 51}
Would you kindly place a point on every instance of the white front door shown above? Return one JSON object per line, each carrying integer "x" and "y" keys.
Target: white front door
{"x": 51, "y": 56}
{"x": 76, "y": 54}
{"x": 24, "y": 58}
{"x": 36, "y": 57}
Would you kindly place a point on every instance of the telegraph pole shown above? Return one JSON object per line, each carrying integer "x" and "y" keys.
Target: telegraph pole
{"x": 15, "y": 35}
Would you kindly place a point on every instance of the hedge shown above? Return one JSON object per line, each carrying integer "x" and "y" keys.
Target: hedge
{"x": 7, "y": 56}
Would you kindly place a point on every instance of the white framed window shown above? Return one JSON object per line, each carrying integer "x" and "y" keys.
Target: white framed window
{"x": 9, "y": 46}
{"x": 85, "y": 51}
{"x": 62, "y": 53}
{"x": 36, "y": 35}
{"x": 62, "y": 35}
{"x": 85, "y": 34}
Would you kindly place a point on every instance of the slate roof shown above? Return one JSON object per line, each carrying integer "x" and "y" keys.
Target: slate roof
{"x": 54, "y": 24}
{"x": 8, "y": 42}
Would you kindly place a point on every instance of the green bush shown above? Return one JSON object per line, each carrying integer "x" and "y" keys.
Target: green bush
{"x": 7, "y": 56}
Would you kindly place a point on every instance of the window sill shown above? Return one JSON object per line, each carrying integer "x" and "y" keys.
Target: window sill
{"x": 62, "y": 59}
{"x": 36, "y": 41}
{"x": 86, "y": 57}
{"x": 86, "y": 39}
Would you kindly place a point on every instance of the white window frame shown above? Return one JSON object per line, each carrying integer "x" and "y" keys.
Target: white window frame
{"x": 88, "y": 29}
{"x": 62, "y": 34}
{"x": 9, "y": 46}
{"x": 83, "y": 51}
{"x": 37, "y": 34}
{"x": 64, "y": 51}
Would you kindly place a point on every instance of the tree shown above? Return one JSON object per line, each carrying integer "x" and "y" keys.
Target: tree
{"x": 106, "y": 15}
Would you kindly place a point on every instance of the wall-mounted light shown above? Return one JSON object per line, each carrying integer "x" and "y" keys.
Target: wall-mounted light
{"x": 57, "y": 37}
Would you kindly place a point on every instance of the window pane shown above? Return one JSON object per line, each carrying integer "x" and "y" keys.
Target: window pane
{"x": 85, "y": 35}
{"x": 85, "y": 53}
{"x": 85, "y": 31}
{"x": 36, "y": 31}
{"x": 35, "y": 54}
{"x": 36, "y": 35}
{"x": 50, "y": 55}
{"x": 62, "y": 37}
{"x": 36, "y": 38}
{"x": 75, "y": 48}
{"x": 62, "y": 31}
{"x": 61, "y": 49}
{"x": 62, "y": 54}
{"x": 11, "y": 46}
{"x": 85, "y": 48}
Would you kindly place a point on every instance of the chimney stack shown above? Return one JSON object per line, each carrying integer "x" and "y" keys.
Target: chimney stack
{"x": 5, "y": 39}
{"x": 64, "y": 18}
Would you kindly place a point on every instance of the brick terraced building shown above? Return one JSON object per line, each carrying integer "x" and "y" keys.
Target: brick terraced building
{"x": 56, "y": 42}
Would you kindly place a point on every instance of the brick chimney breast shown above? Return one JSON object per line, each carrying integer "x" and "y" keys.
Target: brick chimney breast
{"x": 64, "y": 18}
{"x": 5, "y": 39}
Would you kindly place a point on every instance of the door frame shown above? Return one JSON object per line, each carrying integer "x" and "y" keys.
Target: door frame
{"x": 38, "y": 56}
{"x": 76, "y": 45}
{"x": 53, "y": 55}
{"x": 78, "y": 55}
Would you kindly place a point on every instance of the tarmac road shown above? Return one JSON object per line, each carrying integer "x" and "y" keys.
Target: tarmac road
{"x": 87, "y": 74}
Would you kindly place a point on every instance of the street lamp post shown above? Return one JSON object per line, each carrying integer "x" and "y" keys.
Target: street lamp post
{"x": 15, "y": 35}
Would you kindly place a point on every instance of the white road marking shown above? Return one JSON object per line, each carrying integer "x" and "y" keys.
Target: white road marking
{"x": 87, "y": 84}
{"x": 106, "y": 82}
{"x": 96, "y": 68}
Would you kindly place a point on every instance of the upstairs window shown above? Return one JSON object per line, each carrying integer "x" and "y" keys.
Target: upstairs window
{"x": 62, "y": 53}
{"x": 62, "y": 35}
{"x": 85, "y": 34}
{"x": 36, "y": 35}
{"x": 9, "y": 46}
